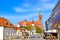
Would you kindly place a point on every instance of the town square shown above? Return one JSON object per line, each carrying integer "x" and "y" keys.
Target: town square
{"x": 29, "y": 19}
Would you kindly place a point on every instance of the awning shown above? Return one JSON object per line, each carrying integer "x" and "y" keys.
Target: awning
{"x": 51, "y": 31}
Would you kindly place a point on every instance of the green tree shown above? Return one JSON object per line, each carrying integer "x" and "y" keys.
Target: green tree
{"x": 38, "y": 30}
{"x": 29, "y": 27}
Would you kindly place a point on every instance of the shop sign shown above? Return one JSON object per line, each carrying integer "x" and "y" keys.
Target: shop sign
{"x": 55, "y": 25}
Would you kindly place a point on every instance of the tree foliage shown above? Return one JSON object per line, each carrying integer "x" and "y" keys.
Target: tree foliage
{"x": 29, "y": 27}
{"x": 38, "y": 30}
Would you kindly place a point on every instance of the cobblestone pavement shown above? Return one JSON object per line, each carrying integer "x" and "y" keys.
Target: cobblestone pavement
{"x": 32, "y": 37}
{"x": 27, "y": 39}
{"x": 51, "y": 39}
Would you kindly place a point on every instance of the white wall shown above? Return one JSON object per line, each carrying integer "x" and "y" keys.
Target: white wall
{"x": 18, "y": 33}
{"x": 1, "y": 33}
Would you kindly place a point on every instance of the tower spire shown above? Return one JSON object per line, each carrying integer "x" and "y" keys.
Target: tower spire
{"x": 40, "y": 15}
{"x": 25, "y": 19}
{"x": 40, "y": 12}
{"x": 32, "y": 20}
{"x": 40, "y": 19}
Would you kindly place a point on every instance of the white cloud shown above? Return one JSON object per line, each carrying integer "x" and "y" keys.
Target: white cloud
{"x": 18, "y": 9}
{"x": 48, "y": 6}
{"x": 44, "y": 0}
{"x": 21, "y": 10}
{"x": 48, "y": 0}
{"x": 20, "y": 18}
{"x": 35, "y": 8}
{"x": 26, "y": 5}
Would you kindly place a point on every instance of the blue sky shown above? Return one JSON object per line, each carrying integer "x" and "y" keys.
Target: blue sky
{"x": 18, "y": 10}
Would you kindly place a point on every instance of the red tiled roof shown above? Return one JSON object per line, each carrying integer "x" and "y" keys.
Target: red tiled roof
{"x": 21, "y": 23}
{"x": 36, "y": 23}
{"x": 29, "y": 23}
{"x": 17, "y": 28}
{"x": 3, "y": 19}
{"x": 5, "y": 23}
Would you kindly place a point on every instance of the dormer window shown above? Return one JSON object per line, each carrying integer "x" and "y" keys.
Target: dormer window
{"x": 6, "y": 23}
